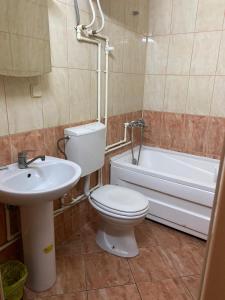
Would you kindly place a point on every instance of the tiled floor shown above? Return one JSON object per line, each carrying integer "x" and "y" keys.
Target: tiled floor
{"x": 167, "y": 268}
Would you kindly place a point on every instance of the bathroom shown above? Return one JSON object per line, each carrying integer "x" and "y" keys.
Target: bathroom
{"x": 162, "y": 89}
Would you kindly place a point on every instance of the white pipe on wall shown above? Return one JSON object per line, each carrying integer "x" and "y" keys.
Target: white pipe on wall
{"x": 118, "y": 147}
{"x": 93, "y": 16}
{"x": 124, "y": 140}
{"x": 99, "y": 82}
{"x": 6, "y": 245}
{"x": 82, "y": 38}
{"x": 9, "y": 236}
{"x": 102, "y": 18}
{"x": 95, "y": 33}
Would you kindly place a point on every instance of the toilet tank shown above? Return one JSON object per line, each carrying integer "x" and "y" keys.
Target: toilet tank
{"x": 86, "y": 146}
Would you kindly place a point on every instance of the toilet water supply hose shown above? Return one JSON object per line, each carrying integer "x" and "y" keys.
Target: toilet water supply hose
{"x": 65, "y": 140}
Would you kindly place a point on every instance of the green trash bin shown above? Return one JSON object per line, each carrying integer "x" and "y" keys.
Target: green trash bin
{"x": 14, "y": 275}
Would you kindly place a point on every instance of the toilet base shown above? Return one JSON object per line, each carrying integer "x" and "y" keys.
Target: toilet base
{"x": 118, "y": 241}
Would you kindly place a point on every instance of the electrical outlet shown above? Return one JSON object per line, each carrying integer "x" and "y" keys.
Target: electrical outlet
{"x": 35, "y": 90}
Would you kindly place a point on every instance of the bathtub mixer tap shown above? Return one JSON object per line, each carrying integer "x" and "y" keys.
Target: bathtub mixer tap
{"x": 140, "y": 123}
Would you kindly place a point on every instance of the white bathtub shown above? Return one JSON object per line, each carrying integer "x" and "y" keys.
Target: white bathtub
{"x": 180, "y": 187}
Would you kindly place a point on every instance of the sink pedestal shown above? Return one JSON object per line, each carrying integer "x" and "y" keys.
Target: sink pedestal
{"x": 37, "y": 224}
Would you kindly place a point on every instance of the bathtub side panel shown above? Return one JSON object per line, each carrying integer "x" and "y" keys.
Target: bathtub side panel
{"x": 180, "y": 207}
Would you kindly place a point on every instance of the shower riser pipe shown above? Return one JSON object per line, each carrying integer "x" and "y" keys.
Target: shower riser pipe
{"x": 93, "y": 16}
{"x": 107, "y": 49}
{"x": 81, "y": 38}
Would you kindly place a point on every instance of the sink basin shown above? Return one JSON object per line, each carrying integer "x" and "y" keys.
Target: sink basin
{"x": 41, "y": 181}
{"x": 34, "y": 189}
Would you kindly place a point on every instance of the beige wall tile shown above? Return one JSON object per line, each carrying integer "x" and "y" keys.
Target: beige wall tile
{"x": 221, "y": 62}
{"x": 143, "y": 17}
{"x": 55, "y": 97}
{"x": 156, "y": 55}
{"x": 160, "y": 12}
{"x": 58, "y": 32}
{"x": 117, "y": 11}
{"x": 116, "y": 36}
{"x": 80, "y": 95}
{"x": 3, "y": 111}
{"x": 70, "y": 95}
{"x": 218, "y": 102}
{"x": 205, "y": 53}
{"x": 210, "y": 15}
{"x": 116, "y": 94}
{"x": 184, "y": 16}
{"x": 24, "y": 112}
{"x": 180, "y": 51}
{"x": 134, "y": 49}
{"x": 131, "y": 20}
{"x": 138, "y": 22}
{"x": 154, "y": 92}
{"x": 176, "y": 94}
{"x": 200, "y": 95}
{"x": 134, "y": 91}
{"x": 93, "y": 96}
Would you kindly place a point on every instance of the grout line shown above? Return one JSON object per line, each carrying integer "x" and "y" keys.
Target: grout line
{"x": 189, "y": 32}
{"x": 167, "y": 61}
{"x": 134, "y": 278}
{"x": 194, "y": 38}
{"x": 186, "y": 288}
{"x": 6, "y": 104}
{"x": 182, "y": 75}
{"x": 217, "y": 64}
{"x": 7, "y": 117}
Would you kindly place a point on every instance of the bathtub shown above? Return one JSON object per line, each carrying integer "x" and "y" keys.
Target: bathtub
{"x": 180, "y": 187}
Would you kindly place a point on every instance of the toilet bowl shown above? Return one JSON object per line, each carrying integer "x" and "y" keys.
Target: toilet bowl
{"x": 120, "y": 209}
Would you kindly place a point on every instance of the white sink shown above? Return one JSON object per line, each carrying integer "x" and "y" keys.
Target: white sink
{"x": 34, "y": 189}
{"x": 41, "y": 181}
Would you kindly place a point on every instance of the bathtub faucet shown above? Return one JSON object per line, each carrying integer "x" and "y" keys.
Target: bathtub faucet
{"x": 140, "y": 123}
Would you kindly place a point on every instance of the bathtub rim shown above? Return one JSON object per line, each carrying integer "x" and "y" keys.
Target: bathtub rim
{"x": 209, "y": 188}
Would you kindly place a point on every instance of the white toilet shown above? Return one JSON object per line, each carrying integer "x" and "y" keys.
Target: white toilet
{"x": 120, "y": 208}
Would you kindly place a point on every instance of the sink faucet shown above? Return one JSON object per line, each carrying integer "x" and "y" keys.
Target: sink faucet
{"x": 22, "y": 159}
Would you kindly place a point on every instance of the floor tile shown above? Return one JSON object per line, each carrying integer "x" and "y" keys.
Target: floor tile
{"x": 144, "y": 235}
{"x": 168, "y": 237}
{"x": 165, "y": 255}
{"x": 170, "y": 289}
{"x": 152, "y": 264}
{"x": 88, "y": 238}
{"x": 71, "y": 247}
{"x": 126, "y": 292}
{"x": 193, "y": 285}
{"x": 75, "y": 296}
{"x": 188, "y": 260}
{"x": 105, "y": 270}
{"x": 70, "y": 276}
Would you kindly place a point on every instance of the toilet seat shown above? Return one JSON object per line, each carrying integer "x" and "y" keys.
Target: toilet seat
{"x": 119, "y": 202}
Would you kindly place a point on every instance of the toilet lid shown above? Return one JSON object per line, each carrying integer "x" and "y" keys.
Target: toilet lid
{"x": 120, "y": 198}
